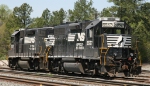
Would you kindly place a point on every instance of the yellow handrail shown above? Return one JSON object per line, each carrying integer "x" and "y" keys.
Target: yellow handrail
{"x": 105, "y": 56}
{"x": 40, "y": 50}
{"x": 47, "y": 52}
{"x": 101, "y": 51}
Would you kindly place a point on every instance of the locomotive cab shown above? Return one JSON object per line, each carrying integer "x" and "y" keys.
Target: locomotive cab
{"x": 112, "y": 39}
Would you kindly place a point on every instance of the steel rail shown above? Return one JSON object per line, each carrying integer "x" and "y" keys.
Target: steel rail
{"x": 31, "y": 81}
{"x": 122, "y": 81}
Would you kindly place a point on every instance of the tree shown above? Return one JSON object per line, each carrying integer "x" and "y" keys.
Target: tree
{"x": 10, "y": 26}
{"x": 22, "y": 15}
{"x": 57, "y": 17}
{"x": 62, "y": 15}
{"x": 83, "y": 10}
{"x": 46, "y": 16}
{"x": 108, "y": 12}
{"x": 37, "y": 22}
{"x": 4, "y": 13}
{"x": 4, "y": 16}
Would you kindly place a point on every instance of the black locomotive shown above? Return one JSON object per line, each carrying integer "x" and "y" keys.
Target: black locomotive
{"x": 99, "y": 47}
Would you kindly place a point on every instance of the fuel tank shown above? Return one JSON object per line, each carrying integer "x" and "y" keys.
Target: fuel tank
{"x": 73, "y": 67}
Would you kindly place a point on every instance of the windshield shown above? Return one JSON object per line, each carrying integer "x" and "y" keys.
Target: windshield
{"x": 115, "y": 31}
{"x": 12, "y": 40}
{"x": 30, "y": 33}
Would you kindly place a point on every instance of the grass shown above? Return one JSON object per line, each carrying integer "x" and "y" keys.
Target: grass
{"x": 49, "y": 74}
{"x": 3, "y": 58}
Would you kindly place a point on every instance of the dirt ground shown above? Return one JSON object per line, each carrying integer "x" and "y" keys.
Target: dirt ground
{"x": 146, "y": 66}
{"x": 3, "y": 62}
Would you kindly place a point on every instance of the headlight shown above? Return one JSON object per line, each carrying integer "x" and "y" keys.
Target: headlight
{"x": 115, "y": 54}
{"x": 131, "y": 54}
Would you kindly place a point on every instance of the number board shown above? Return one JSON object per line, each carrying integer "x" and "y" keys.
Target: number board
{"x": 112, "y": 24}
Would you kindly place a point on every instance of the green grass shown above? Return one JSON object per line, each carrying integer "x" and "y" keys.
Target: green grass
{"x": 3, "y": 58}
{"x": 49, "y": 74}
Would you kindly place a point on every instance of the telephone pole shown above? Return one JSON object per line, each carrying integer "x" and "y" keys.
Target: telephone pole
{"x": 121, "y": 10}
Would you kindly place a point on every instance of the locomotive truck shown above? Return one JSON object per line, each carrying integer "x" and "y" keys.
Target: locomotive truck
{"x": 103, "y": 46}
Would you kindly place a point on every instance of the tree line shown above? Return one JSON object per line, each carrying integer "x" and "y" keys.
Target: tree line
{"x": 135, "y": 12}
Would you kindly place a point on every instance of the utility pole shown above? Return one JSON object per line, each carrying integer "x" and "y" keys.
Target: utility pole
{"x": 121, "y": 10}
{"x": 96, "y": 14}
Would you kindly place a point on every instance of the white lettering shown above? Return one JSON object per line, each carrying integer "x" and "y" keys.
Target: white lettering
{"x": 79, "y": 46}
{"x": 32, "y": 47}
{"x": 50, "y": 40}
{"x": 71, "y": 37}
{"x": 89, "y": 42}
{"x": 81, "y": 37}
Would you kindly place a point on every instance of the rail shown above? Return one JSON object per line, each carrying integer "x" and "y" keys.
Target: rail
{"x": 32, "y": 81}
{"x": 75, "y": 79}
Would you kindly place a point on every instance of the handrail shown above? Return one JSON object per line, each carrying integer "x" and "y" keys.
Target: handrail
{"x": 47, "y": 53}
{"x": 101, "y": 50}
{"x": 40, "y": 50}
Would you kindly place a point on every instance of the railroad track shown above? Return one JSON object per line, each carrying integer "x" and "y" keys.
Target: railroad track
{"x": 3, "y": 63}
{"x": 75, "y": 80}
{"x": 145, "y": 72}
{"x": 31, "y": 81}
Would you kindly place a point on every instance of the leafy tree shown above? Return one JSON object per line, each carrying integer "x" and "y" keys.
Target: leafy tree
{"x": 4, "y": 16}
{"x": 4, "y": 12}
{"x": 10, "y": 26}
{"x": 57, "y": 17}
{"x": 108, "y": 12}
{"x": 62, "y": 15}
{"x": 37, "y": 22}
{"x": 41, "y": 21}
{"x": 46, "y": 16}
{"x": 83, "y": 10}
{"x": 49, "y": 19}
{"x": 22, "y": 15}
{"x": 11, "y": 22}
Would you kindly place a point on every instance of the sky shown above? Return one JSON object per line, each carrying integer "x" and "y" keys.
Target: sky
{"x": 39, "y": 6}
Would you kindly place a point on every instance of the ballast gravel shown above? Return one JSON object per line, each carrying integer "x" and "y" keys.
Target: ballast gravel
{"x": 50, "y": 80}
{"x": 13, "y": 83}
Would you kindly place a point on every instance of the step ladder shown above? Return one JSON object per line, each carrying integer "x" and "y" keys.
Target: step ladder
{"x": 103, "y": 52}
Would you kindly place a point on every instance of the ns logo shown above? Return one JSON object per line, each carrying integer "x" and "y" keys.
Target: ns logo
{"x": 76, "y": 37}
{"x": 81, "y": 37}
{"x": 80, "y": 41}
{"x": 120, "y": 40}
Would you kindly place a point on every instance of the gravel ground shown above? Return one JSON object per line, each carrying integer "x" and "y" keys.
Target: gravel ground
{"x": 3, "y": 62}
{"x": 146, "y": 66}
{"x": 61, "y": 80}
{"x": 50, "y": 79}
{"x": 13, "y": 83}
